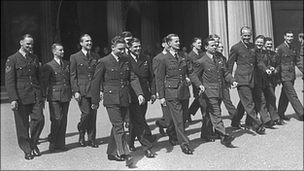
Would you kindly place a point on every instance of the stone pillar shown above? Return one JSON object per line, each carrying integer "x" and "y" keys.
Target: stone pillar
{"x": 217, "y": 21}
{"x": 238, "y": 15}
{"x": 114, "y": 19}
{"x": 149, "y": 25}
{"x": 263, "y": 18}
{"x": 47, "y": 31}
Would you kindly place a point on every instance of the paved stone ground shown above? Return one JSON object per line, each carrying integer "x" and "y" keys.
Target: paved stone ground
{"x": 279, "y": 149}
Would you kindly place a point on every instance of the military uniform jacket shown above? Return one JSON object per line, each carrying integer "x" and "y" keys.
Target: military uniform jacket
{"x": 82, "y": 70}
{"x": 22, "y": 79}
{"x": 194, "y": 57}
{"x": 211, "y": 74}
{"x": 171, "y": 77}
{"x": 246, "y": 60}
{"x": 115, "y": 79}
{"x": 266, "y": 60}
{"x": 56, "y": 81}
{"x": 143, "y": 70}
{"x": 288, "y": 59}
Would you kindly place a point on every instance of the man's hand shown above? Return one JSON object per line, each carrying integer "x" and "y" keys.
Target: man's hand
{"x": 101, "y": 95}
{"x": 268, "y": 71}
{"x": 141, "y": 99}
{"x": 188, "y": 81}
{"x": 94, "y": 106}
{"x": 163, "y": 101}
{"x": 202, "y": 90}
{"x": 153, "y": 98}
{"x": 77, "y": 96}
{"x": 14, "y": 105}
{"x": 234, "y": 84}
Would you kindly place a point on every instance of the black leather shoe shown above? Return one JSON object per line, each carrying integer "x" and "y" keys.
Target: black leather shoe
{"x": 93, "y": 144}
{"x": 226, "y": 140}
{"x": 278, "y": 122}
{"x": 161, "y": 128}
{"x": 269, "y": 125}
{"x": 36, "y": 151}
{"x": 173, "y": 142}
{"x": 207, "y": 139}
{"x": 81, "y": 139}
{"x": 132, "y": 148}
{"x": 116, "y": 158}
{"x": 260, "y": 130}
{"x": 149, "y": 154}
{"x": 28, "y": 156}
{"x": 129, "y": 160}
{"x": 236, "y": 126}
{"x": 186, "y": 149}
{"x": 285, "y": 118}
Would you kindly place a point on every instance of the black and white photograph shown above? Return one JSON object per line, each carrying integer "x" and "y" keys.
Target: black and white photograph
{"x": 152, "y": 85}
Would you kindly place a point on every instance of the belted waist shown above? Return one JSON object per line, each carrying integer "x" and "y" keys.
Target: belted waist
{"x": 116, "y": 83}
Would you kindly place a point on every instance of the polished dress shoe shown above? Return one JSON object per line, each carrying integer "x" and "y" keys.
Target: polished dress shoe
{"x": 132, "y": 148}
{"x": 129, "y": 159}
{"x": 226, "y": 140}
{"x": 285, "y": 118}
{"x": 28, "y": 156}
{"x": 161, "y": 128}
{"x": 186, "y": 149}
{"x": 269, "y": 125}
{"x": 149, "y": 154}
{"x": 279, "y": 122}
{"x": 116, "y": 158}
{"x": 93, "y": 144}
{"x": 207, "y": 139}
{"x": 36, "y": 151}
{"x": 260, "y": 130}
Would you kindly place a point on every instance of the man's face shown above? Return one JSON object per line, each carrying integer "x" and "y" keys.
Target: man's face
{"x": 86, "y": 43}
{"x": 128, "y": 39}
{"x": 136, "y": 48}
{"x": 246, "y": 35}
{"x": 211, "y": 48}
{"x": 288, "y": 38}
{"x": 220, "y": 48}
{"x": 27, "y": 44}
{"x": 268, "y": 45}
{"x": 198, "y": 44}
{"x": 259, "y": 43}
{"x": 58, "y": 51}
{"x": 174, "y": 43}
{"x": 119, "y": 49}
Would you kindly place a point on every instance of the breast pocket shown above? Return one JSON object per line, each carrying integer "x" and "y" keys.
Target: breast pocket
{"x": 81, "y": 68}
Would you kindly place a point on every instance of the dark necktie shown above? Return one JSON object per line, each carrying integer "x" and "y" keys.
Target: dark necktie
{"x": 176, "y": 56}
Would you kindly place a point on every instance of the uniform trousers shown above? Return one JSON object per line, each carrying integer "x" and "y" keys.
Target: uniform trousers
{"x": 164, "y": 120}
{"x": 138, "y": 125}
{"x": 269, "y": 93}
{"x": 28, "y": 132}
{"x": 87, "y": 119}
{"x": 118, "y": 140}
{"x": 176, "y": 124}
{"x": 228, "y": 103}
{"x": 288, "y": 94}
{"x": 58, "y": 116}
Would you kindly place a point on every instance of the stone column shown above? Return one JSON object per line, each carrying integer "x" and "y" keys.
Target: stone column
{"x": 217, "y": 22}
{"x": 114, "y": 19}
{"x": 263, "y": 18}
{"x": 47, "y": 31}
{"x": 149, "y": 25}
{"x": 238, "y": 15}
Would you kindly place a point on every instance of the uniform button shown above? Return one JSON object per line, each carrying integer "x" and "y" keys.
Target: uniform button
{"x": 180, "y": 69}
{"x": 31, "y": 83}
{"x": 122, "y": 86}
{"x": 110, "y": 91}
{"x": 121, "y": 73}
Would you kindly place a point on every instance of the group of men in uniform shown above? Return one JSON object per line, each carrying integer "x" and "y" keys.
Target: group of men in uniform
{"x": 125, "y": 80}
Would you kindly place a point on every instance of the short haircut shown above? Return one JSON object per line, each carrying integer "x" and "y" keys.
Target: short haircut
{"x": 300, "y": 35}
{"x": 268, "y": 39}
{"x": 214, "y": 36}
{"x": 207, "y": 40}
{"x": 54, "y": 45}
{"x": 117, "y": 39}
{"x": 244, "y": 28}
{"x": 135, "y": 39}
{"x": 83, "y": 35}
{"x": 169, "y": 37}
{"x": 164, "y": 40}
{"x": 288, "y": 32}
{"x": 259, "y": 37}
{"x": 26, "y": 36}
{"x": 194, "y": 40}
{"x": 126, "y": 34}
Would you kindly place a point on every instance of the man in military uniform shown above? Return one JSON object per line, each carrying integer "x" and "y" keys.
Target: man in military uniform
{"x": 289, "y": 58}
{"x": 57, "y": 88}
{"x": 113, "y": 77}
{"x": 209, "y": 75}
{"x": 22, "y": 82}
{"x": 243, "y": 54}
{"x": 142, "y": 67}
{"x": 82, "y": 68}
{"x": 173, "y": 91}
